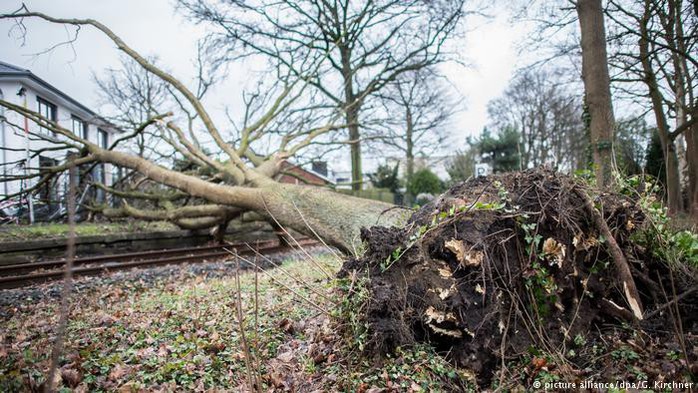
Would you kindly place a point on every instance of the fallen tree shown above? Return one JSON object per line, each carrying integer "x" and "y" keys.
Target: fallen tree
{"x": 241, "y": 181}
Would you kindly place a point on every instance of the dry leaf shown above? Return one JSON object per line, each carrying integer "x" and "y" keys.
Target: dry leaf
{"x": 457, "y": 247}
{"x": 555, "y": 251}
{"x": 444, "y": 293}
{"x": 285, "y": 357}
{"x": 71, "y": 377}
{"x": 432, "y": 314}
{"x": 539, "y": 363}
{"x": 118, "y": 372}
{"x": 444, "y": 269}
{"x": 465, "y": 257}
{"x": 287, "y": 326}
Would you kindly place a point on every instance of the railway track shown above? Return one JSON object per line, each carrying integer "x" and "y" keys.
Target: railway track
{"x": 23, "y": 274}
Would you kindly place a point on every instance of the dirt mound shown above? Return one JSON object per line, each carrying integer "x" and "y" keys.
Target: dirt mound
{"x": 503, "y": 264}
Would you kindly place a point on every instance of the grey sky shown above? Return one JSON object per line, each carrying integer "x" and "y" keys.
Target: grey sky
{"x": 153, "y": 28}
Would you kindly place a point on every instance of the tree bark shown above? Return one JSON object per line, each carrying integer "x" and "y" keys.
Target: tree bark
{"x": 352, "y": 105}
{"x": 334, "y": 217}
{"x": 671, "y": 161}
{"x": 691, "y": 136}
{"x": 597, "y": 87}
{"x": 409, "y": 155}
{"x": 352, "y": 117}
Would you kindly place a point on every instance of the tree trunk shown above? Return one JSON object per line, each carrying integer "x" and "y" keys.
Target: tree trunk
{"x": 335, "y": 218}
{"x": 352, "y": 105}
{"x": 409, "y": 172}
{"x": 671, "y": 162}
{"x": 684, "y": 101}
{"x": 352, "y": 117}
{"x": 597, "y": 87}
{"x": 691, "y": 136}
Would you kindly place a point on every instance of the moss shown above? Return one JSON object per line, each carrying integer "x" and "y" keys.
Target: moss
{"x": 54, "y": 230}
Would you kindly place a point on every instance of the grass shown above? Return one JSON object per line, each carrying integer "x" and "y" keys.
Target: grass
{"x": 54, "y": 230}
{"x": 182, "y": 333}
{"x": 179, "y": 333}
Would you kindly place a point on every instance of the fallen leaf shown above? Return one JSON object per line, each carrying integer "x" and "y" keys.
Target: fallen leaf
{"x": 444, "y": 272}
{"x": 285, "y": 357}
{"x": 457, "y": 247}
{"x": 554, "y": 251}
{"x": 118, "y": 372}
{"x": 539, "y": 363}
{"x": 444, "y": 293}
{"x": 468, "y": 258}
{"x": 431, "y": 314}
{"x": 71, "y": 377}
{"x": 286, "y": 325}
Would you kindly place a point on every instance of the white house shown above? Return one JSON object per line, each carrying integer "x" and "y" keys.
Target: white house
{"x": 22, "y": 87}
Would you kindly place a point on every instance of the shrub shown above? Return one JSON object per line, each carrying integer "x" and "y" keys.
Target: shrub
{"x": 424, "y": 181}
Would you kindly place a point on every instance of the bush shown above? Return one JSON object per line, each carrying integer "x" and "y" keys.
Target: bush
{"x": 424, "y": 181}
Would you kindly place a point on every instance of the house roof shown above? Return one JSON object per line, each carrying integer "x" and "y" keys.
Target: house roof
{"x": 9, "y": 70}
{"x": 291, "y": 165}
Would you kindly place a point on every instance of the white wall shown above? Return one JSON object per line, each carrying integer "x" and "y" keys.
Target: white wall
{"x": 15, "y": 138}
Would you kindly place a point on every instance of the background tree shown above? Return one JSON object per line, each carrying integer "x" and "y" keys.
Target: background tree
{"x": 654, "y": 160}
{"x": 461, "y": 166}
{"x": 632, "y": 138}
{"x": 386, "y": 177}
{"x": 501, "y": 151}
{"x": 547, "y": 117}
{"x": 415, "y": 112}
{"x": 364, "y": 45}
{"x": 132, "y": 95}
{"x": 424, "y": 181}
{"x": 597, "y": 87}
{"x": 653, "y": 53}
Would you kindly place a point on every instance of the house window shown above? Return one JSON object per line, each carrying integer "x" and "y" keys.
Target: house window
{"x": 103, "y": 139}
{"x": 100, "y": 174}
{"x": 48, "y": 111}
{"x": 79, "y": 127}
{"x": 48, "y": 193}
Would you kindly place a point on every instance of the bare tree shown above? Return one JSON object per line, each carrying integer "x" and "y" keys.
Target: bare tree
{"x": 461, "y": 166}
{"x": 654, "y": 45}
{"x": 548, "y": 118}
{"x": 364, "y": 44}
{"x": 236, "y": 179}
{"x": 416, "y": 110}
{"x": 132, "y": 95}
{"x": 597, "y": 87}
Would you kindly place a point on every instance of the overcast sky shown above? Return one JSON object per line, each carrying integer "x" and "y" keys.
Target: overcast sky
{"x": 153, "y": 28}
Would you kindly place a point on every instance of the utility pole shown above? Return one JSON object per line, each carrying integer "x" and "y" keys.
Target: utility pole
{"x": 23, "y": 93}
{"x": 4, "y": 144}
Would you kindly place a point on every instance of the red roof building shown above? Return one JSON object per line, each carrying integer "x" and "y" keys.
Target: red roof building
{"x": 295, "y": 174}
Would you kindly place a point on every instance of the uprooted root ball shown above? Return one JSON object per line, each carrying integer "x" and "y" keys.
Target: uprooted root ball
{"x": 499, "y": 265}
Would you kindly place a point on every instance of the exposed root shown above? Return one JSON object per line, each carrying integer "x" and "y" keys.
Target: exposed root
{"x": 500, "y": 265}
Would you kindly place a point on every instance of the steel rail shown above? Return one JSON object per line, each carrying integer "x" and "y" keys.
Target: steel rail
{"x": 8, "y": 282}
{"x": 30, "y": 266}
